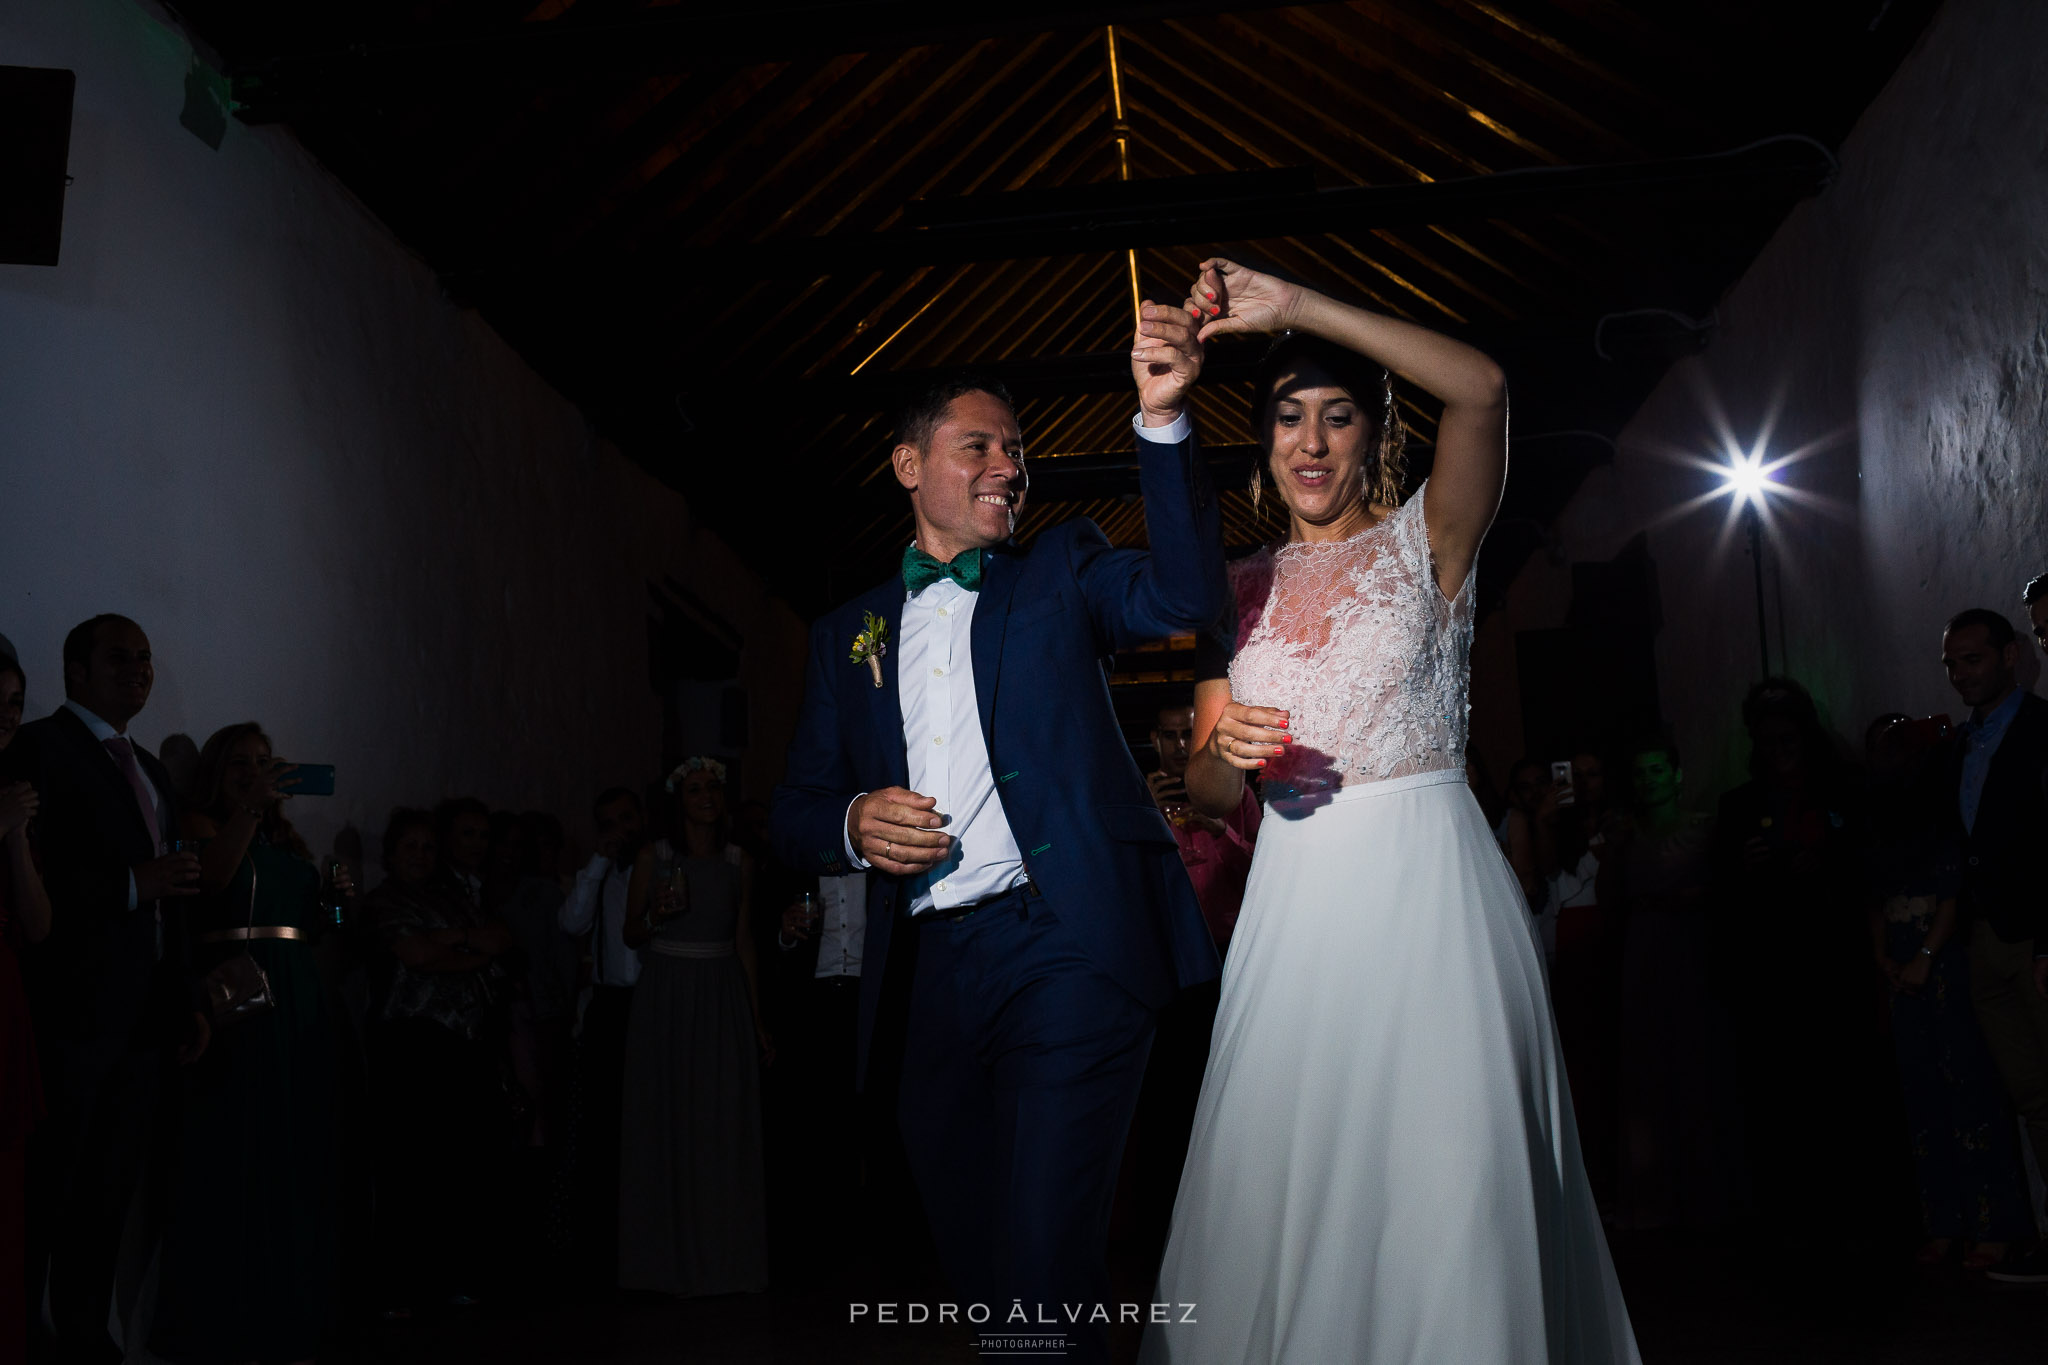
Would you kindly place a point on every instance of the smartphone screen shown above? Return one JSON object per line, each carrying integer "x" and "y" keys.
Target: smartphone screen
{"x": 311, "y": 779}
{"x": 1561, "y": 776}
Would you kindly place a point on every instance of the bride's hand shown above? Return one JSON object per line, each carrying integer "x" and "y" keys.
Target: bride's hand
{"x": 1234, "y": 300}
{"x": 1246, "y": 736}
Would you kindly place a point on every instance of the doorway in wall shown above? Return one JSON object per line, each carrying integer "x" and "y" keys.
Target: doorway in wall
{"x": 693, "y": 662}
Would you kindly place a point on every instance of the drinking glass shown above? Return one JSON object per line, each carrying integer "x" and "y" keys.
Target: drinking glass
{"x": 170, "y": 846}
{"x": 333, "y": 901}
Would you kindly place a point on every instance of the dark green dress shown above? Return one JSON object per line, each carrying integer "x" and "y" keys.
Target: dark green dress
{"x": 248, "y": 1260}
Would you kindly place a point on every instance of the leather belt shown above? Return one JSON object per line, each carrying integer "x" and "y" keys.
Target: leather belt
{"x": 258, "y": 931}
{"x": 1016, "y": 895}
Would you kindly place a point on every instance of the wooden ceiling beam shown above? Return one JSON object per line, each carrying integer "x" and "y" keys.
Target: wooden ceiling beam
{"x": 663, "y": 42}
{"x": 1179, "y": 211}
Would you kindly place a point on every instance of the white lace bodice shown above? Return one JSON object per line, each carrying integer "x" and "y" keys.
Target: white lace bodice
{"x": 1358, "y": 644}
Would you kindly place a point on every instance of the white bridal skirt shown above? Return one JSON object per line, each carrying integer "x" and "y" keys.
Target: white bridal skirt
{"x": 1384, "y": 1166}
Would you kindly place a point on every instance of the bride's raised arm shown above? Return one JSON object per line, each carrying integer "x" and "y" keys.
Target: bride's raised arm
{"x": 1472, "y": 439}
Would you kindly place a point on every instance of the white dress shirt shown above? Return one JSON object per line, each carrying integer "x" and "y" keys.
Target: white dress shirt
{"x": 600, "y": 895}
{"x": 942, "y": 740}
{"x": 947, "y": 753}
{"x": 103, "y": 732}
{"x": 844, "y": 921}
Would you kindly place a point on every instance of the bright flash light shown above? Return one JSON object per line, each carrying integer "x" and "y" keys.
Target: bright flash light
{"x": 1746, "y": 477}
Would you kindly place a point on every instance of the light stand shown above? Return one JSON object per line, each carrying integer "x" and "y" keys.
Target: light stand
{"x": 1753, "y": 522}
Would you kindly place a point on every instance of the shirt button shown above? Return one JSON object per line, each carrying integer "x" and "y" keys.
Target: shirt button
{"x": 942, "y": 611}
{"x": 938, "y": 673}
{"x": 939, "y": 886}
{"x": 938, "y": 739}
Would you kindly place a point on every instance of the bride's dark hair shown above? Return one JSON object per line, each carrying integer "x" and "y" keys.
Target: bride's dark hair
{"x": 1369, "y": 385}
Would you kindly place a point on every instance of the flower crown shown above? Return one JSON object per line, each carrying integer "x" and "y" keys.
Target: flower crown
{"x": 697, "y": 764}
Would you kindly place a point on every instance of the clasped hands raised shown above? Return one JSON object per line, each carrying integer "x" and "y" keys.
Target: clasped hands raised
{"x": 1225, "y": 299}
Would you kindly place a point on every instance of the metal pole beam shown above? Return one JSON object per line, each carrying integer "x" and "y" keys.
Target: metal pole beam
{"x": 1753, "y": 522}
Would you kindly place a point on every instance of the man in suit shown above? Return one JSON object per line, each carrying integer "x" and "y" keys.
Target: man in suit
{"x": 837, "y": 1180}
{"x": 968, "y": 755}
{"x": 111, "y": 997}
{"x": 1994, "y": 780}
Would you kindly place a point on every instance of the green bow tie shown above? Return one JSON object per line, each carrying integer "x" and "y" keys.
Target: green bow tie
{"x": 920, "y": 570}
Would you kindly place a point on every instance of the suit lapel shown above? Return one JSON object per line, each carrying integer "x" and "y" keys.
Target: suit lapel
{"x": 991, "y": 623}
{"x": 114, "y": 790}
{"x": 885, "y": 703}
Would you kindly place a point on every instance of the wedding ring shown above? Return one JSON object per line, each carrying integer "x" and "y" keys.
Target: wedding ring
{"x": 888, "y": 850}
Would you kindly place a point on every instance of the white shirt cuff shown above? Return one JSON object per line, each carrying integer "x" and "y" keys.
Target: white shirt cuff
{"x": 596, "y": 868}
{"x": 846, "y": 836}
{"x": 1172, "y": 434}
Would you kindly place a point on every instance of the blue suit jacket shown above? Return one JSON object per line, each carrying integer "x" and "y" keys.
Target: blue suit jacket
{"x": 1049, "y": 617}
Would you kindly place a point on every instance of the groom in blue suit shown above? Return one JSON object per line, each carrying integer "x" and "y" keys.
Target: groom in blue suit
{"x": 957, "y": 737}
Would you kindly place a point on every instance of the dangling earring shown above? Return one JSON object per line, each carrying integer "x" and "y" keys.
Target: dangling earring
{"x": 1258, "y": 486}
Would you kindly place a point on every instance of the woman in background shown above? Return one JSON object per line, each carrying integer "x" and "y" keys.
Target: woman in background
{"x": 437, "y": 1076}
{"x": 1680, "y": 1157}
{"x": 249, "y": 1258}
{"x": 692, "y": 1216}
{"x": 1585, "y": 966}
{"x": 24, "y": 918}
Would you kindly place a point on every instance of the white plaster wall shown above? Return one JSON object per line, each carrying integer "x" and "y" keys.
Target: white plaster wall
{"x": 1899, "y": 322}
{"x": 240, "y": 412}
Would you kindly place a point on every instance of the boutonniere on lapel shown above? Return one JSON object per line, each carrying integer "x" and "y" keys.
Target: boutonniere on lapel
{"x": 871, "y": 644}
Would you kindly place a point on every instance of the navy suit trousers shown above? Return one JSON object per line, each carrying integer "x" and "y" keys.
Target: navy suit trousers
{"x": 1021, "y": 1070}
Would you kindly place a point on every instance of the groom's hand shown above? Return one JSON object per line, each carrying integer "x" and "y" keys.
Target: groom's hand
{"x": 898, "y": 831}
{"x": 1166, "y": 359}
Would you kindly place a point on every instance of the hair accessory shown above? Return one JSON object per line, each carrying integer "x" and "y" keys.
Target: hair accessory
{"x": 696, "y": 764}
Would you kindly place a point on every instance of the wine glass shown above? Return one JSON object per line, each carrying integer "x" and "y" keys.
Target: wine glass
{"x": 671, "y": 890}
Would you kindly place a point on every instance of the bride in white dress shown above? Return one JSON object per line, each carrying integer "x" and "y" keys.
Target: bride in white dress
{"x": 1384, "y": 1166}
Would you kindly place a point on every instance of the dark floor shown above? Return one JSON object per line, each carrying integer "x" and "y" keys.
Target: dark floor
{"x": 1693, "y": 1299}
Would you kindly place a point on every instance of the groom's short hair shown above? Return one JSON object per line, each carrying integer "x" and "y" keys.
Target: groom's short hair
{"x": 924, "y": 409}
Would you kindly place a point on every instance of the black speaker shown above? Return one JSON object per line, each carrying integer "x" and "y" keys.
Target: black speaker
{"x": 35, "y": 148}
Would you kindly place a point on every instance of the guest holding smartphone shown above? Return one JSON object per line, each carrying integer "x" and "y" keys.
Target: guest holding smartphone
{"x": 1218, "y": 856}
{"x": 249, "y": 1257}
